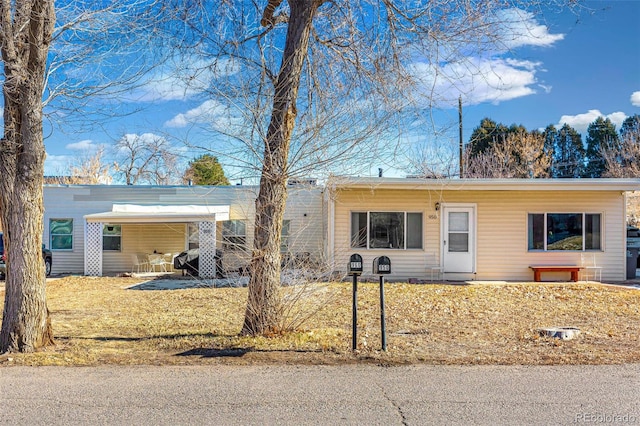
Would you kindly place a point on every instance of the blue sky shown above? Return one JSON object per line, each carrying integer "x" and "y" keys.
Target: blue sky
{"x": 594, "y": 69}
{"x": 569, "y": 68}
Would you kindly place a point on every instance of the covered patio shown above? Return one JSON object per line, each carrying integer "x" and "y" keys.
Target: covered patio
{"x": 176, "y": 219}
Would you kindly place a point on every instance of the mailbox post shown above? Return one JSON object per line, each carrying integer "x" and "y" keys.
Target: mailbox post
{"x": 382, "y": 267}
{"x": 354, "y": 269}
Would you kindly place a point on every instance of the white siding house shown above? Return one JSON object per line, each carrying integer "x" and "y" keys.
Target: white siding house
{"x": 477, "y": 229}
{"x": 97, "y": 229}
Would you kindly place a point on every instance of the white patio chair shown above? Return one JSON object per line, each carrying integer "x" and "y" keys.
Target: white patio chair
{"x": 589, "y": 267}
{"x": 434, "y": 267}
{"x": 139, "y": 262}
{"x": 157, "y": 263}
{"x": 167, "y": 258}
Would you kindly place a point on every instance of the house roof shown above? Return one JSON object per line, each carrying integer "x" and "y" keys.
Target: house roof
{"x": 486, "y": 184}
{"x": 133, "y": 213}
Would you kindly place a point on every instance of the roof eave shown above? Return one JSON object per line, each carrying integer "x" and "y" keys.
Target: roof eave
{"x": 154, "y": 218}
{"x": 489, "y": 184}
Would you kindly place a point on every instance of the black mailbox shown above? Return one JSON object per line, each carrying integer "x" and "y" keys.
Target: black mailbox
{"x": 355, "y": 264}
{"x": 382, "y": 265}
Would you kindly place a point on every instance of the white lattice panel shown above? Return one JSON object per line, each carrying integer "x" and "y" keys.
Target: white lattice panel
{"x": 93, "y": 249}
{"x": 207, "y": 261}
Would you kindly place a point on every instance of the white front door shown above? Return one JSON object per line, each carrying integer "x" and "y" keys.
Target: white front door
{"x": 458, "y": 238}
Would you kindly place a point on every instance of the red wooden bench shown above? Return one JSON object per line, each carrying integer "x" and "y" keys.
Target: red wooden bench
{"x": 537, "y": 269}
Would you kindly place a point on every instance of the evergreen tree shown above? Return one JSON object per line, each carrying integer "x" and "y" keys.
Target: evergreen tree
{"x": 517, "y": 129}
{"x": 520, "y": 155}
{"x": 206, "y": 170}
{"x": 623, "y": 161}
{"x": 549, "y": 135}
{"x": 514, "y": 140}
{"x": 485, "y": 135}
{"x": 630, "y": 126}
{"x": 568, "y": 153}
{"x": 601, "y": 135}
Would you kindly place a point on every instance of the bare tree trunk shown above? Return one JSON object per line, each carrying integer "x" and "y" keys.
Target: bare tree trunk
{"x": 263, "y": 312}
{"x": 26, "y": 33}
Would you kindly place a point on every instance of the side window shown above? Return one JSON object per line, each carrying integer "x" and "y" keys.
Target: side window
{"x": 593, "y": 232}
{"x": 414, "y": 230}
{"x": 61, "y": 234}
{"x": 234, "y": 235}
{"x": 193, "y": 236}
{"x": 284, "y": 241}
{"x": 535, "y": 235}
{"x": 358, "y": 229}
{"x": 112, "y": 237}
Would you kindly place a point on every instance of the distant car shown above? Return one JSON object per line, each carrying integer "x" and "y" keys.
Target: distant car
{"x": 633, "y": 241}
{"x": 46, "y": 256}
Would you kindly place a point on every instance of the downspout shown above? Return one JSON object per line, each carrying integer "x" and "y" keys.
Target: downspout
{"x": 330, "y": 228}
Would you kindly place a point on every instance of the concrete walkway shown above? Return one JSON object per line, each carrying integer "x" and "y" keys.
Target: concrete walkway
{"x": 175, "y": 283}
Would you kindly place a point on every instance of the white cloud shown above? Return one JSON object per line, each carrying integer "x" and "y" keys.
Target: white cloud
{"x": 212, "y": 113}
{"x": 143, "y": 138}
{"x": 520, "y": 28}
{"x": 84, "y": 145}
{"x": 57, "y": 165}
{"x": 545, "y": 87}
{"x": 169, "y": 87}
{"x": 617, "y": 118}
{"x": 581, "y": 122}
{"x": 479, "y": 80}
{"x": 188, "y": 79}
{"x": 492, "y": 75}
{"x": 207, "y": 112}
{"x": 635, "y": 98}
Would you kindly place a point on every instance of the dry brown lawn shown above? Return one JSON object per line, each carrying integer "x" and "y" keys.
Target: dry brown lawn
{"x": 100, "y": 321}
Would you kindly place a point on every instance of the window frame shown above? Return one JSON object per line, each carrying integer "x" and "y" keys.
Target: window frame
{"x": 234, "y": 241}
{"x": 193, "y": 235}
{"x": 52, "y": 235}
{"x": 285, "y": 233}
{"x": 119, "y": 236}
{"x": 545, "y": 231}
{"x": 364, "y": 241}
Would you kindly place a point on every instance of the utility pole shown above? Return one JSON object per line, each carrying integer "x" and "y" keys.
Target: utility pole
{"x": 460, "y": 131}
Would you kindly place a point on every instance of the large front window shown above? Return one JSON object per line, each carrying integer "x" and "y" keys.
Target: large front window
{"x": 388, "y": 230}
{"x": 564, "y": 231}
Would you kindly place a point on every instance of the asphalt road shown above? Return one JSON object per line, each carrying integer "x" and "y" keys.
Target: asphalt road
{"x": 320, "y": 395}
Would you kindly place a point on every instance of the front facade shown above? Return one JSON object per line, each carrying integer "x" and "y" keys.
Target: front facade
{"x": 481, "y": 229}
